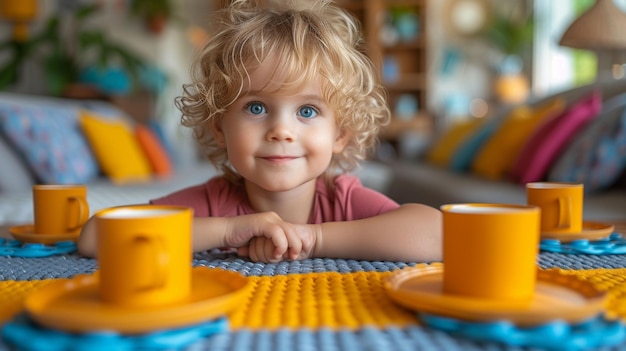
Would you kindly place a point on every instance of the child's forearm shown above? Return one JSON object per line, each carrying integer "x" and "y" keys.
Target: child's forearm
{"x": 411, "y": 233}
{"x": 86, "y": 244}
{"x": 208, "y": 233}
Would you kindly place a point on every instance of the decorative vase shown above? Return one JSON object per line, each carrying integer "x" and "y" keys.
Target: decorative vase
{"x": 511, "y": 88}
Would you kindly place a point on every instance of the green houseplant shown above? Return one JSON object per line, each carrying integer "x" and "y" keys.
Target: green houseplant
{"x": 512, "y": 37}
{"x": 63, "y": 57}
{"x": 155, "y": 13}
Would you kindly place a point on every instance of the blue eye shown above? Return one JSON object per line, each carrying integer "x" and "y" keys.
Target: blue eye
{"x": 307, "y": 112}
{"x": 255, "y": 108}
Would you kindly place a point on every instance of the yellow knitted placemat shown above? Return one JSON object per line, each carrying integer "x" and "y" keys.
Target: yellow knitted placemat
{"x": 605, "y": 279}
{"x": 12, "y": 294}
{"x": 314, "y": 300}
{"x": 330, "y": 299}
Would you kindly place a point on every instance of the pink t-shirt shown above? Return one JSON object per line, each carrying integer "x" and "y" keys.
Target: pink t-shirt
{"x": 220, "y": 198}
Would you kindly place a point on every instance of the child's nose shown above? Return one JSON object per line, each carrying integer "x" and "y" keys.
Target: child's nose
{"x": 281, "y": 129}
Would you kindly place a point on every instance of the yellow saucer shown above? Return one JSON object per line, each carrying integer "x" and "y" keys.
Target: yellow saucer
{"x": 557, "y": 296}
{"x": 74, "y": 305}
{"x": 26, "y": 234}
{"x": 591, "y": 231}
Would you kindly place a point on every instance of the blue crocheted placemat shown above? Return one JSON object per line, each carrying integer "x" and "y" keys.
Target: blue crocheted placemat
{"x": 15, "y": 248}
{"x": 67, "y": 266}
{"x": 23, "y": 334}
{"x": 613, "y": 245}
{"x": 557, "y": 335}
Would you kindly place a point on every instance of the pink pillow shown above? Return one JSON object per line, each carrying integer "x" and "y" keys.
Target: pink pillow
{"x": 546, "y": 143}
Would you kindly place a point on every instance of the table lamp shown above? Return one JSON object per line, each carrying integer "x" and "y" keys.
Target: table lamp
{"x": 600, "y": 29}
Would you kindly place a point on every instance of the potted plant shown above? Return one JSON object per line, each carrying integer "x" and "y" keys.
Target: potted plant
{"x": 64, "y": 57}
{"x": 511, "y": 36}
{"x": 155, "y": 13}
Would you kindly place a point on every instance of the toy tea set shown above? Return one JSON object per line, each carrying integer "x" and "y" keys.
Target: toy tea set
{"x": 60, "y": 211}
{"x": 562, "y": 227}
{"x": 145, "y": 294}
{"x": 489, "y": 286}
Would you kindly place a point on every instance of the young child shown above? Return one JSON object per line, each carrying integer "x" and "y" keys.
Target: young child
{"x": 285, "y": 104}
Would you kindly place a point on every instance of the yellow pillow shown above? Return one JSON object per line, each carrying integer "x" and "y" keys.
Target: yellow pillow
{"x": 496, "y": 157}
{"x": 443, "y": 148}
{"x": 119, "y": 154}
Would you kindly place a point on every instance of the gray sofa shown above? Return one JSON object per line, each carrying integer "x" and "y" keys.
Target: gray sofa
{"x": 434, "y": 186}
{"x": 420, "y": 181}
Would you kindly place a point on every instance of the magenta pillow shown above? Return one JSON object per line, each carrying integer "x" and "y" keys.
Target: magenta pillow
{"x": 546, "y": 143}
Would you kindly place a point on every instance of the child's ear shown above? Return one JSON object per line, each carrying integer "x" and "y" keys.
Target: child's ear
{"x": 341, "y": 140}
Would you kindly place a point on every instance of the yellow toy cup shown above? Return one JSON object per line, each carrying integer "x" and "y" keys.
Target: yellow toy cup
{"x": 561, "y": 205}
{"x": 59, "y": 209}
{"x": 144, "y": 255}
{"x": 490, "y": 251}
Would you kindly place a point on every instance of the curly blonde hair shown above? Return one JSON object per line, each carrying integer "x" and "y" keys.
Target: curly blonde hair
{"x": 311, "y": 40}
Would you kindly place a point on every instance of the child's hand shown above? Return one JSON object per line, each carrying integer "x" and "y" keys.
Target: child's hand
{"x": 263, "y": 249}
{"x": 279, "y": 238}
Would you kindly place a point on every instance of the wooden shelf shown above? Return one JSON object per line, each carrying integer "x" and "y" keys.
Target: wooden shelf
{"x": 421, "y": 123}
{"x": 407, "y": 82}
{"x": 417, "y": 44}
{"x": 408, "y": 57}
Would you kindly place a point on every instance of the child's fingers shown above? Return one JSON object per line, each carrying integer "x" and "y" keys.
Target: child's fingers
{"x": 262, "y": 249}
{"x": 273, "y": 253}
{"x": 243, "y": 251}
{"x": 276, "y": 235}
{"x": 260, "y": 253}
{"x": 294, "y": 243}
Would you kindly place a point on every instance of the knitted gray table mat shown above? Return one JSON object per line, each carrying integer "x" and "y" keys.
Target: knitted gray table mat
{"x": 66, "y": 266}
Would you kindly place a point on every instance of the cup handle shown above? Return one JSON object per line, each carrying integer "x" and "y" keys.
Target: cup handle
{"x": 83, "y": 212}
{"x": 565, "y": 212}
{"x": 161, "y": 260}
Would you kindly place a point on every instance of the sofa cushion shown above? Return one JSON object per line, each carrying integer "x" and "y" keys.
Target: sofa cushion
{"x": 597, "y": 157}
{"x": 496, "y": 157}
{"x": 443, "y": 148}
{"x": 465, "y": 153}
{"x": 116, "y": 148}
{"x": 14, "y": 173}
{"x": 50, "y": 141}
{"x": 546, "y": 143}
{"x": 155, "y": 152}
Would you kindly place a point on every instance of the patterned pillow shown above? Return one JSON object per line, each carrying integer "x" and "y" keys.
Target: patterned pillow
{"x": 50, "y": 141}
{"x": 598, "y": 157}
{"x": 549, "y": 140}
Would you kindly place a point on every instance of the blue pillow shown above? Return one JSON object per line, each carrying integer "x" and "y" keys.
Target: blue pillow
{"x": 50, "y": 141}
{"x": 464, "y": 155}
{"x": 597, "y": 157}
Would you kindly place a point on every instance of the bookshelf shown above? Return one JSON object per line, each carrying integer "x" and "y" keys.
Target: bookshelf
{"x": 396, "y": 41}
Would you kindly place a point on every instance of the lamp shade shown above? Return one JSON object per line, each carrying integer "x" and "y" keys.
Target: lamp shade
{"x": 601, "y": 28}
